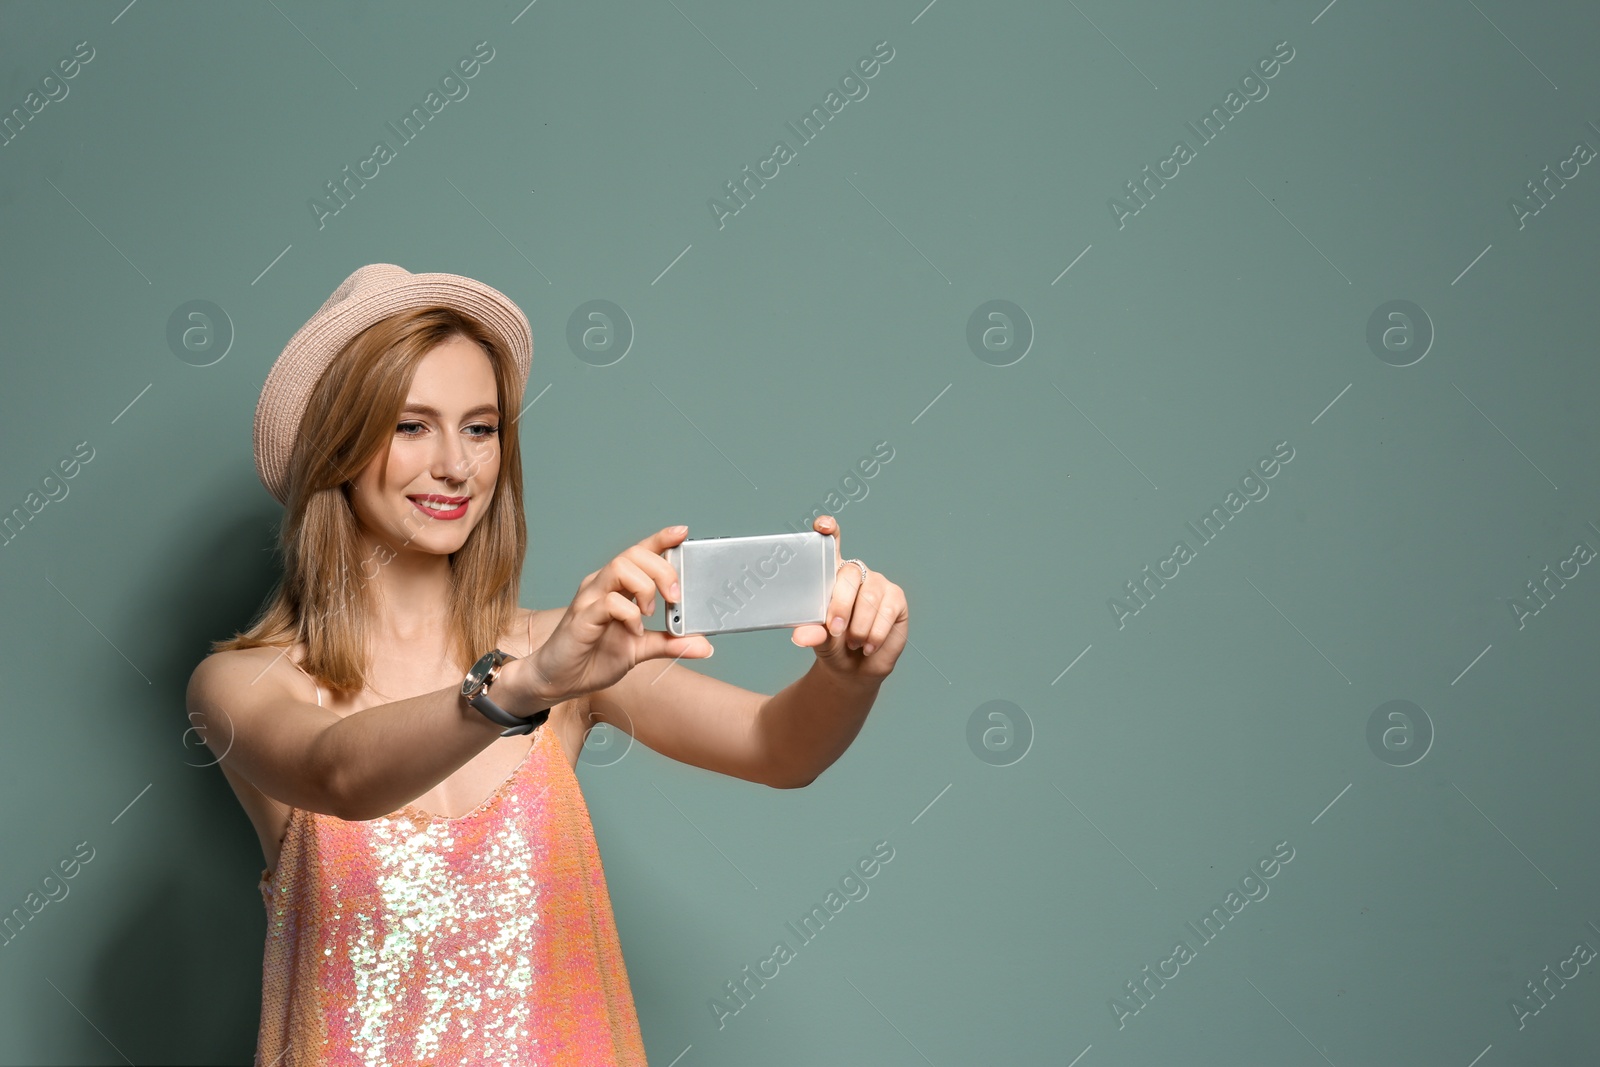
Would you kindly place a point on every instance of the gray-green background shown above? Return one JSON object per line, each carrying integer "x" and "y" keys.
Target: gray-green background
{"x": 1045, "y": 849}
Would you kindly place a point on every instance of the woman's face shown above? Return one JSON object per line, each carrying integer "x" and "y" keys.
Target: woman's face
{"x": 435, "y": 481}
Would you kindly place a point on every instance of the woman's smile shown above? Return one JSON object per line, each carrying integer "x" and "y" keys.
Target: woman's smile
{"x": 441, "y": 507}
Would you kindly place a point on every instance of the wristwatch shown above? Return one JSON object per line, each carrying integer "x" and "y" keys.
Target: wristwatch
{"x": 475, "y": 688}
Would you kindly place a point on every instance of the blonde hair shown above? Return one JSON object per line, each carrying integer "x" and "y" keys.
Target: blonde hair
{"x": 324, "y": 596}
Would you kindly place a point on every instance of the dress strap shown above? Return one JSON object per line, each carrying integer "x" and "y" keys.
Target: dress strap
{"x": 308, "y": 675}
{"x": 530, "y": 632}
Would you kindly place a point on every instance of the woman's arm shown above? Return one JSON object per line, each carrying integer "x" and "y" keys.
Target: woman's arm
{"x": 368, "y": 764}
{"x": 356, "y": 767}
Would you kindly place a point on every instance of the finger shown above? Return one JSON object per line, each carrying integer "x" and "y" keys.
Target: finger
{"x": 865, "y": 613}
{"x": 846, "y": 582}
{"x": 827, "y": 524}
{"x": 661, "y": 540}
{"x": 625, "y": 611}
{"x": 633, "y": 578}
{"x": 658, "y": 644}
{"x": 664, "y": 538}
{"x": 888, "y": 614}
{"x": 810, "y": 635}
{"x": 661, "y": 574}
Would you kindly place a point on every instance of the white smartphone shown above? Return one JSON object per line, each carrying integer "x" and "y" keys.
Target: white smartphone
{"x": 761, "y": 582}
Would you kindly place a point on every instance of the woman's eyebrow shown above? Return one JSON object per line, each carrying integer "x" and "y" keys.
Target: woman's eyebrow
{"x": 481, "y": 409}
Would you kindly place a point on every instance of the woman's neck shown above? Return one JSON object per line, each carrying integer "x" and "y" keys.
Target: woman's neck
{"x": 411, "y": 602}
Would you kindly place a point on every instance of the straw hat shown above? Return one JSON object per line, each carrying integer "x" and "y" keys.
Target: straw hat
{"x": 373, "y": 292}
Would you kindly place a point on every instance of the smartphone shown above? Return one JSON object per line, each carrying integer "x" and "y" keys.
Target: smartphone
{"x": 761, "y": 582}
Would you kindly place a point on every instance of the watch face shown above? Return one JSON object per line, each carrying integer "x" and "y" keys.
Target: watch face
{"x": 480, "y": 670}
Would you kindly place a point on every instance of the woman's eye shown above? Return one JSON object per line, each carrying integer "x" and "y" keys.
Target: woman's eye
{"x": 479, "y": 430}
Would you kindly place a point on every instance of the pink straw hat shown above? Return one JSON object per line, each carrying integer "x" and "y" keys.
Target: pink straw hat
{"x": 373, "y": 292}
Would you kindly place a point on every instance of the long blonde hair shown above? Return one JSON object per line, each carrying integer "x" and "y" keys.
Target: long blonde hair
{"x": 324, "y": 597}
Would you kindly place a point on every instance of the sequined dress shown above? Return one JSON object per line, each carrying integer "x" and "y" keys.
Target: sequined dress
{"x": 416, "y": 939}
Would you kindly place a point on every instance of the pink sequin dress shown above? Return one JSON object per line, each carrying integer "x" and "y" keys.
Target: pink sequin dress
{"x": 416, "y": 939}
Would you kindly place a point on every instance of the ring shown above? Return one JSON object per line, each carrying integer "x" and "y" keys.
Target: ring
{"x": 863, "y": 567}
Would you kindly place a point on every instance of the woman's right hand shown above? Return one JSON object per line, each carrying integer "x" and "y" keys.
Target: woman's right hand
{"x": 602, "y": 636}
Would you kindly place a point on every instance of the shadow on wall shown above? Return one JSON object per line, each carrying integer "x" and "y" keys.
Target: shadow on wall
{"x": 180, "y": 980}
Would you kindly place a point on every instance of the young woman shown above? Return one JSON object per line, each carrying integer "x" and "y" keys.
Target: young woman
{"x": 433, "y": 889}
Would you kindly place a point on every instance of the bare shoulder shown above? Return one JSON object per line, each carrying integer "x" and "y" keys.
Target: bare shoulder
{"x": 225, "y": 695}
{"x": 228, "y": 692}
{"x": 243, "y": 674}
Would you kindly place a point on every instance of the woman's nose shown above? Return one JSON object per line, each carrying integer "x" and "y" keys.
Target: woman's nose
{"x": 458, "y": 460}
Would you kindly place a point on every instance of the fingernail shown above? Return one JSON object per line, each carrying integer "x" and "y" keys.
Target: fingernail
{"x": 673, "y": 592}
{"x": 679, "y": 529}
{"x": 867, "y": 651}
{"x": 836, "y": 625}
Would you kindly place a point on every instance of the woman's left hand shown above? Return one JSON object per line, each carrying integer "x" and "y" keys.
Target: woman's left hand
{"x": 867, "y": 622}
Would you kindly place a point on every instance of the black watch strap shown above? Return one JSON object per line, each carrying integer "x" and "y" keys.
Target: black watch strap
{"x": 475, "y": 687}
{"x": 515, "y": 724}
